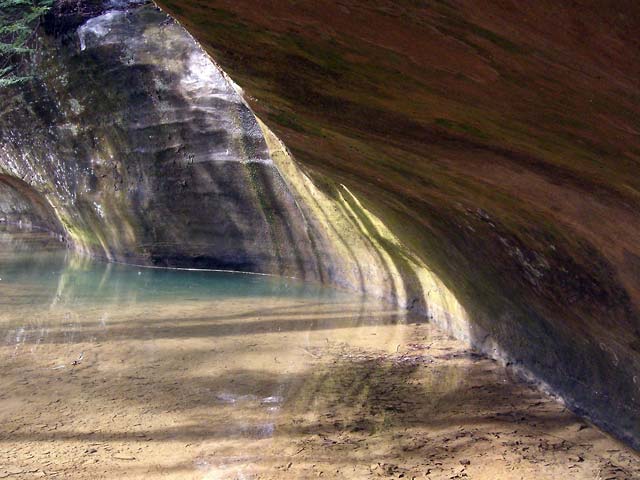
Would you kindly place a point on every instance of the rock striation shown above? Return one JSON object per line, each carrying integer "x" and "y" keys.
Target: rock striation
{"x": 148, "y": 155}
{"x": 500, "y": 145}
{"x": 436, "y": 155}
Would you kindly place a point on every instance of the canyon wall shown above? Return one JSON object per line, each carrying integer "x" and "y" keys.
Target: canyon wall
{"x": 146, "y": 152}
{"x": 476, "y": 166}
{"x": 500, "y": 143}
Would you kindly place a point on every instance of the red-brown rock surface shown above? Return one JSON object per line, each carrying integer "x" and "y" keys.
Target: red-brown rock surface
{"x": 500, "y": 141}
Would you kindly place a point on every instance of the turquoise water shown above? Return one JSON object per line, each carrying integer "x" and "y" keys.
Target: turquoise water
{"x": 53, "y": 273}
{"x": 113, "y": 371}
{"x": 185, "y": 374}
{"x": 82, "y": 280}
{"x": 49, "y": 294}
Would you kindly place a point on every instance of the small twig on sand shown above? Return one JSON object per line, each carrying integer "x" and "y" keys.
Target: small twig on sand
{"x": 310, "y": 353}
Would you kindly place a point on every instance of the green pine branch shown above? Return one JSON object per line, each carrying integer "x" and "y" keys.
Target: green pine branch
{"x": 19, "y": 20}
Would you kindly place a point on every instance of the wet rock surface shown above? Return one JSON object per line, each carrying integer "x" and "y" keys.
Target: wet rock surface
{"x": 146, "y": 151}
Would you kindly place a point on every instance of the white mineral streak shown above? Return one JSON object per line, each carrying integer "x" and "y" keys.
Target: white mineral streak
{"x": 203, "y": 80}
{"x": 98, "y": 27}
{"x": 201, "y": 75}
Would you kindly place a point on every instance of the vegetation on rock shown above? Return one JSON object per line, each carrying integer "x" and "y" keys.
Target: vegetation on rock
{"x": 19, "y": 20}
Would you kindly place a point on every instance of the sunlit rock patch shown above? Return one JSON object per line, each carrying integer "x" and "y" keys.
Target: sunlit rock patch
{"x": 148, "y": 154}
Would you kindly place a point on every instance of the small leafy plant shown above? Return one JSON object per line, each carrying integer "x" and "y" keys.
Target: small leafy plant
{"x": 19, "y": 21}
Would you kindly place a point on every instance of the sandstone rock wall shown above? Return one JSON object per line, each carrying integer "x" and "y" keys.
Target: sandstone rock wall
{"x": 499, "y": 143}
{"x": 147, "y": 153}
{"x": 427, "y": 174}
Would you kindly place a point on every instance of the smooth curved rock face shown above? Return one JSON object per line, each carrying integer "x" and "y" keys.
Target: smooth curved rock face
{"x": 149, "y": 155}
{"x": 24, "y": 208}
{"x": 500, "y": 144}
{"x": 493, "y": 150}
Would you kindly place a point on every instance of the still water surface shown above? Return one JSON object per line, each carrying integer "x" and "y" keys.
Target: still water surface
{"x": 113, "y": 371}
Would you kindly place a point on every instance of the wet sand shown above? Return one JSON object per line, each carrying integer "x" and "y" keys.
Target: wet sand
{"x": 186, "y": 386}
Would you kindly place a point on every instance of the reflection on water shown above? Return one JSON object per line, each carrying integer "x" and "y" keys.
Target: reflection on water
{"x": 111, "y": 371}
{"x": 113, "y": 353}
{"x": 66, "y": 278}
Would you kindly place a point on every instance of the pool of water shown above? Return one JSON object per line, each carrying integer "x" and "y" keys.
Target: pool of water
{"x": 115, "y": 371}
{"x": 105, "y": 354}
{"x": 63, "y": 277}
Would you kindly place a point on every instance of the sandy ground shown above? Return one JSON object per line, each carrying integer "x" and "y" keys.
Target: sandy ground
{"x": 271, "y": 388}
{"x": 111, "y": 374}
